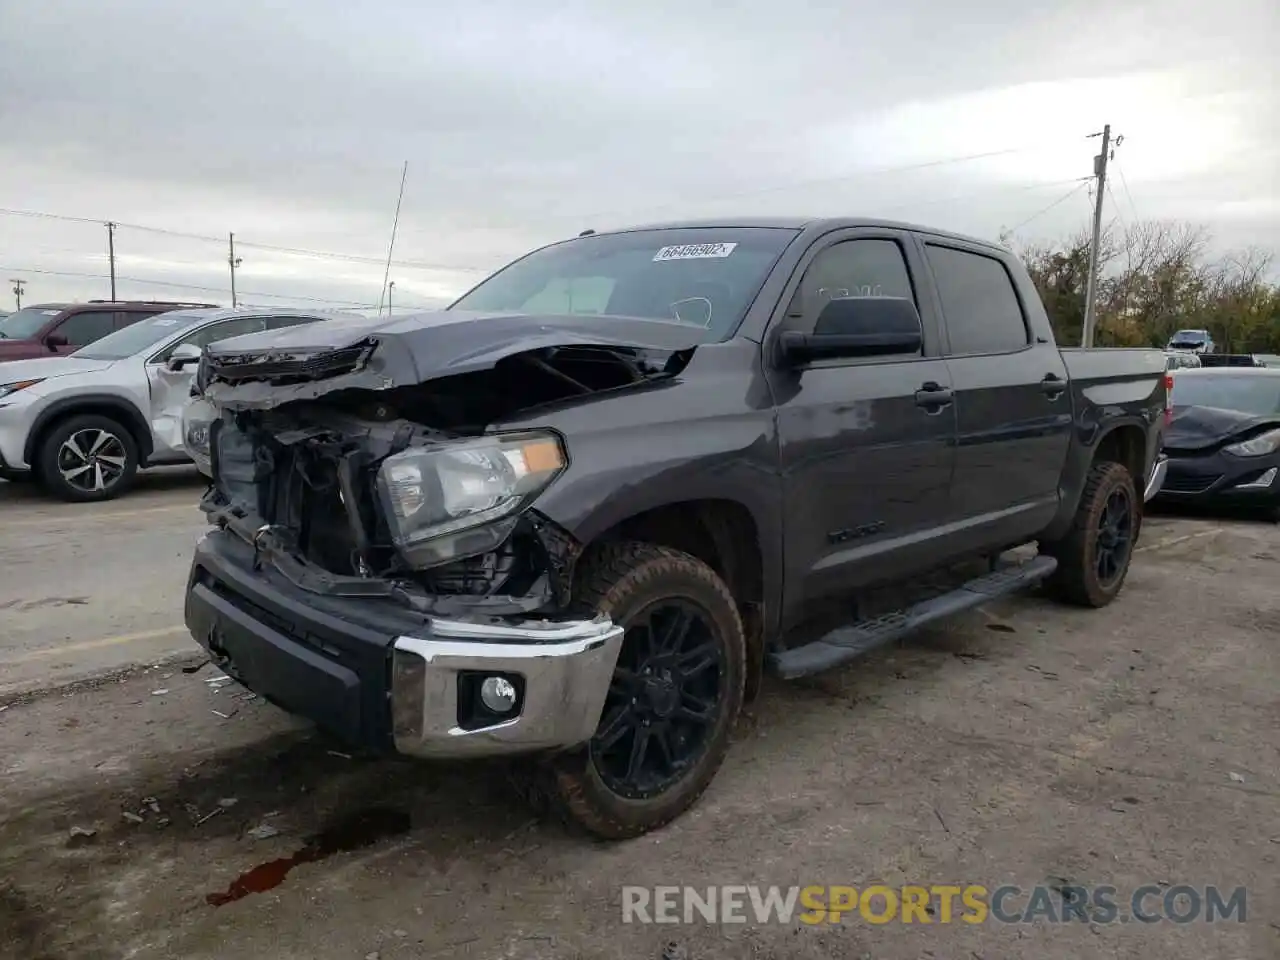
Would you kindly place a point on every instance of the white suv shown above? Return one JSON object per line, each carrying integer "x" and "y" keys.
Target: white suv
{"x": 83, "y": 424}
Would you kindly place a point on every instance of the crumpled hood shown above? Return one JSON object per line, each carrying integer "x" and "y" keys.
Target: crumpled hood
{"x": 12, "y": 371}
{"x": 1199, "y": 428}
{"x": 263, "y": 370}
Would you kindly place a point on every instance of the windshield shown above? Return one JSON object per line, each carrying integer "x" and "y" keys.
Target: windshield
{"x": 705, "y": 277}
{"x": 1190, "y": 338}
{"x": 137, "y": 337}
{"x": 1249, "y": 393}
{"x": 26, "y": 323}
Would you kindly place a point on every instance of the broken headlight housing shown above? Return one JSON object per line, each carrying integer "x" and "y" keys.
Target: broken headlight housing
{"x": 460, "y": 499}
{"x": 1259, "y": 446}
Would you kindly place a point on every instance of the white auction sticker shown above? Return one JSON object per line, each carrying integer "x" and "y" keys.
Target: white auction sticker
{"x": 695, "y": 251}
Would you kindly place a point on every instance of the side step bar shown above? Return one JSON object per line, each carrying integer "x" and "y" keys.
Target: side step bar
{"x": 846, "y": 643}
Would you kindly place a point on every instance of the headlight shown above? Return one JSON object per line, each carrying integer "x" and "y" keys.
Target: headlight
{"x": 461, "y": 499}
{"x": 8, "y": 388}
{"x": 1263, "y": 443}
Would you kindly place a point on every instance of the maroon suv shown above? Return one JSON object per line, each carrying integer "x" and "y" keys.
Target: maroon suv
{"x": 47, "y": 329}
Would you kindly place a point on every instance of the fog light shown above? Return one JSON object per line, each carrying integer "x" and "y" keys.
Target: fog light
{"x": 1260, "y": 483}
{"x": 498, "y": 694}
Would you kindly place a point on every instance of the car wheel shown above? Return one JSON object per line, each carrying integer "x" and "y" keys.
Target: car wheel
{"x": 87, "y": 458}
{"x": 1093, "y": 558}
{"x": 676, "y": 692}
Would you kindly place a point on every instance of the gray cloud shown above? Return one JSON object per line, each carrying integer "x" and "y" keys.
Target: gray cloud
{"x": 525, "y": 121}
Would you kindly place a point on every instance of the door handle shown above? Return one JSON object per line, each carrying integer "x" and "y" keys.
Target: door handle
{"x": 1052, "y": 386}
{"x": 933, "y": 397}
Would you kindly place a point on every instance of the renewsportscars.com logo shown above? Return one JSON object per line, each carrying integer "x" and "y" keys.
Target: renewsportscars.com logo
{"x": 935, "y": 903}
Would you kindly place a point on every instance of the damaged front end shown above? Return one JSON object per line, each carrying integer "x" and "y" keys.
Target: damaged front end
{"x": 402, "y": 491}
{"x": 380, "y": 566}
{"x": 368, "y": 504}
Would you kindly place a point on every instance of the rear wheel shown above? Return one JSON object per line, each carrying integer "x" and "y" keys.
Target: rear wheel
{"x": 675, "y": 694}
{"x": 1093, "y": 558}
{"x": 87, "y": 458}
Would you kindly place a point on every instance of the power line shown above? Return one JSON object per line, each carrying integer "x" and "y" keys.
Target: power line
{"x": 183, "y": 286}
{"x": 296, "y": 251}
{"x": 1079, "y": 184}
{"x": 427, "y": 265}
{"x": 795, "y": 185}
{"x": 1119, "y": 216}
{"x": 968, "y": 195}
{"x": 1124, "y": 183}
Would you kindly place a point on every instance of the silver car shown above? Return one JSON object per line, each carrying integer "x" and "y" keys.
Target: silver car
{"x": 84, "y": 424}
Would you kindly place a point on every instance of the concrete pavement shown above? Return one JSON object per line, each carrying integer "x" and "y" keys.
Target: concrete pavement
{"x": 1024, "y": 743}
{"x": 90, "y": 587}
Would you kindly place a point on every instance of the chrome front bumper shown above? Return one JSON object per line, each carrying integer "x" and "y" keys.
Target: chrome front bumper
{"x": 565, "y": 668}
{"x": 1156, "y": 481}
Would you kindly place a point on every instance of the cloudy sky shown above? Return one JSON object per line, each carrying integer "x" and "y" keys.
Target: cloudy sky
{"x": 525, "y": 121}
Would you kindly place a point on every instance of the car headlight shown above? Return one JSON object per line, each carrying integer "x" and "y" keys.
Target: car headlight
{"x": 7, "y": 388}
{"x": 461, "y": 498}
{"x": 1263, "y": 443}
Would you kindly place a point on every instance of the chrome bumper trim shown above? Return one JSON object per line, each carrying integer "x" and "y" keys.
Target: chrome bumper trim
{"x": 566, "y": 668}
{"x": 1156, "y": 481}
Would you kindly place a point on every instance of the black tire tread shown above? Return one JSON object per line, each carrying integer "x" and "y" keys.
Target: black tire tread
{"x": 1073, "y": 581}
{"x": 558, "y": 788}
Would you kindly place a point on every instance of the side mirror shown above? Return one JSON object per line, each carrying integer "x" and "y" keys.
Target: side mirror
{"x": 55, "y": 340}
{"x": 851, "y": 327}
{"x": 184, "y": 355}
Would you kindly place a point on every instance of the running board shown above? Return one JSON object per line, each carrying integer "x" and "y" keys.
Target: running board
{"x": 846, "y": 643}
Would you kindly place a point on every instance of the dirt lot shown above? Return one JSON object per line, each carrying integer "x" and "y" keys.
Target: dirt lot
{"x": 1026, "y": 743}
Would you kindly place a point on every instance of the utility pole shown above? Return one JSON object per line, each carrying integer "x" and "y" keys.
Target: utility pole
{"x": 1091, "y": 285}
{"x": 391, "y": 285}
{"x": 17, "y": 289}
{"x": 111, "y": 255}
{"x": 234, "y": 261}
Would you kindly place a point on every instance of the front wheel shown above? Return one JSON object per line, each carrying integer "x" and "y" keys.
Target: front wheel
{"x": 1093, "y": 558}
{"x": 676, "y": 691}
{"x": 87, "y": 458}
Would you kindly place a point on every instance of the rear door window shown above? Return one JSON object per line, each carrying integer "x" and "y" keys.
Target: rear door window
{"x": 979, "y": 303}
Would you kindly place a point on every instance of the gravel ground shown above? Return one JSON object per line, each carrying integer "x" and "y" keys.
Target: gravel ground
{"x": 1025, "y": 743}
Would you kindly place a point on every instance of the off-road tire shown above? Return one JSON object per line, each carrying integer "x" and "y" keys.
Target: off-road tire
{"x": 47, "y": 458}
{"x": 1076, "y": 579}
{"x": 618, "y": 580}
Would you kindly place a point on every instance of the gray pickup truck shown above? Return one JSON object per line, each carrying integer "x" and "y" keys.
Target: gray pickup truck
{"x": 578, "y": 514}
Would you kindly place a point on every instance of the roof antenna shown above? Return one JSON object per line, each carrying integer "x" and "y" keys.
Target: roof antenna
{"x": 586, "y": 233}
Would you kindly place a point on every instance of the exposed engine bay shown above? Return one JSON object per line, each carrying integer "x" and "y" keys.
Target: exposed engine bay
{"x": 307, "y": 481}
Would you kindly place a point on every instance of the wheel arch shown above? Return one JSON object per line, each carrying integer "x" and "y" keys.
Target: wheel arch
{"x": 1126, "y": 441}
{"x": 725, "y": 535}
{"x": 102, "y": 404}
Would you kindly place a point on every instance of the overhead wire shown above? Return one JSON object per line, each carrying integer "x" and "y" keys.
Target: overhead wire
{"x": 296, "y": 251}
{"x": 180, "y": 286}
{"x": 1128, "y": 196}
{"x": 794, "y": 185}
{"x": 470, "y": 268}
{"x": 1082, "y": 182}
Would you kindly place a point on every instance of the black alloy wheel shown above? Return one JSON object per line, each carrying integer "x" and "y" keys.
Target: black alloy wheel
{"x": 673, "y": 699}
{"x": 663, "y": 699}
{"x": 1115, "y": 537}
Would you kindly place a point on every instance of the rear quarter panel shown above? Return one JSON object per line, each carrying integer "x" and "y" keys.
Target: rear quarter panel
{"x": 1111, "y": 388}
